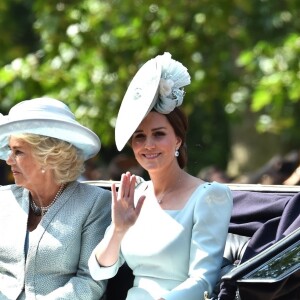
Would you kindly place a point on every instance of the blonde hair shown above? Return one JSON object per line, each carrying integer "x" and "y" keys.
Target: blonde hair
{"x": 63, "y": 158}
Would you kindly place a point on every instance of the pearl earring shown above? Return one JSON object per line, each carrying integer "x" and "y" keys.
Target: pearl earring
{"x": 176, "y": 153}
{"x": 43, "y": 170}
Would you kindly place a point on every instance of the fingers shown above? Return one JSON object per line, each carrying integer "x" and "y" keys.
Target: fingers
{"x": 114, "y": 193}
{"x": 132, "y": 184}
{"x": 124, "y": 190}
{"x": 124, "y": 211}
{"x": 140, "y": 204}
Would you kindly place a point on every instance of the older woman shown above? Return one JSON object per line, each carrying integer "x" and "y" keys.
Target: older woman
{"x": 49, "y": 222}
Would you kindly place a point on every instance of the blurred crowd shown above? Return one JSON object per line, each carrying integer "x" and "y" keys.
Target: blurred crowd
{"x": 279, "y": 170}
{"x": 94, "y": 169}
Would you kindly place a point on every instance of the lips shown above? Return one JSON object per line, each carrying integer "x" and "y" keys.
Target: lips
{"x": 151, "y": 156}
{"x": 15, "y": 172}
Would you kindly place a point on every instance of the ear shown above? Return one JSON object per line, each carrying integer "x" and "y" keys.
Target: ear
{"x": 178, "y": 142}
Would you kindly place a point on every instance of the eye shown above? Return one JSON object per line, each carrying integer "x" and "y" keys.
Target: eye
{"x": 159, "y": 133}
{"x": 17, "y": 152}
{"x": 139, "y": 136}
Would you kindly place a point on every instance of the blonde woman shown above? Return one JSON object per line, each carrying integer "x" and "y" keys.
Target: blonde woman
{"x": 49, "y": 222}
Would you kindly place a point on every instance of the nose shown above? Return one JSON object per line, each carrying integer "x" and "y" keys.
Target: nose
{"x": 11, "y": 159}
{"x": 149, "y": 143}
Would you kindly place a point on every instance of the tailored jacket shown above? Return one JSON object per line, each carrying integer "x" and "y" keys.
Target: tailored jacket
{"x": 56, "y": 265}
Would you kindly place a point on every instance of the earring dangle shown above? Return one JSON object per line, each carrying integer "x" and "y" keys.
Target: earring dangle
{"x": 176, "y": 153}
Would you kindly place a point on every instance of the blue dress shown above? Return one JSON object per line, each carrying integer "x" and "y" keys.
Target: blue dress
{"x": 175, "y": 254}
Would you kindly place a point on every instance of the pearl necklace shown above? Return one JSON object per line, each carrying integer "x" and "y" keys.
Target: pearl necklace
{"x": 41, "y": 210}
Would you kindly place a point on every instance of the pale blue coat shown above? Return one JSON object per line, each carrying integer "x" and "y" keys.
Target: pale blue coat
{"x": 59, "y": 248}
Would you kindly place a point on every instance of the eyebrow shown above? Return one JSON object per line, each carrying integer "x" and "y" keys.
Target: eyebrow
{"x": 154, "y": 129}
{"x": 15, "y": 147}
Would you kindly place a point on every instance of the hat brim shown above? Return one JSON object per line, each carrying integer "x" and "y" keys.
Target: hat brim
{"x": 79, "y": 136}
{"x": 138, "y": 100}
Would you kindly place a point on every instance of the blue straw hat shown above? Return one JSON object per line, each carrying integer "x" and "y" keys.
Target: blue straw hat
{"x": 48, "y": 117}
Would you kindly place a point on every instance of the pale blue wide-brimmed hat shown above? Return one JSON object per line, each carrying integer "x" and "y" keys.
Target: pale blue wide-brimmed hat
{"x": 157, "y": 84}
{"x": 48, "y": 117}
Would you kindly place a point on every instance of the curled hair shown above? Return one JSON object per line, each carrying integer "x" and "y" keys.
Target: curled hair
{"x": 179, "y": 122}
{"x": 63, "y": 158}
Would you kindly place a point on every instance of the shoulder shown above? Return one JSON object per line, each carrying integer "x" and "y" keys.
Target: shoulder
{"x": 213, "y": 200}
{"x": 216, "y": 193}
{"x": 4, "y": 188}
{"x": 216, "y": 186}
{"x": 11, "y": 188}
{"x": 10, "y": 195}
{"x": 91, "y": 194}
{"x": 90, "y": 188}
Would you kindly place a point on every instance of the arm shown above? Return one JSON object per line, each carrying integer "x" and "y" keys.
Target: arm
{"x": 81, "y": 285}
{"x": 211, "y": 220}
{"x": 124, "y": 215}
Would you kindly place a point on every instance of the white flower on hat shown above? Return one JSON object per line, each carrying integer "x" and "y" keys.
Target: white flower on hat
{"x": 165, "y": 87}
{"x": 174, "y": 77}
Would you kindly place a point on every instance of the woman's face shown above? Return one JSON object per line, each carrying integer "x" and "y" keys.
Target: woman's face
{"x": 26, "y": 170}
{"x": 154, "y": 142}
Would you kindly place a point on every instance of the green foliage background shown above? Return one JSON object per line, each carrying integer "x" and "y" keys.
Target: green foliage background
{"x": 243, "y": 57}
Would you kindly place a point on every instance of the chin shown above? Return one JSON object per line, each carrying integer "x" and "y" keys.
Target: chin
{"x": 149, "y": 167}
{"x": 19, "y": 183}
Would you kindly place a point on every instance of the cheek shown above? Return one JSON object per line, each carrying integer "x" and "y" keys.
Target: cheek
{"x": 27, "y": 170}
{"x": 31, "y": 169}
{"x": 169, "y": 144}
{"x": 136, "y": 146}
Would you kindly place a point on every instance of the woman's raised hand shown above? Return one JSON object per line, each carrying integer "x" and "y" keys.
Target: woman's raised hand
{"x": 124, "y": 211}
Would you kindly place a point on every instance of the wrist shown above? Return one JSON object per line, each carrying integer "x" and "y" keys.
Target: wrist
{"x": 117, "y": 232}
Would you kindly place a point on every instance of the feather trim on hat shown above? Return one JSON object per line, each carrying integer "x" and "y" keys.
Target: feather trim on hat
{"x": 174, "y": 77}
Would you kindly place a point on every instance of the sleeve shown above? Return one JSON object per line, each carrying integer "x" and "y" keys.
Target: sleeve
{"x": 81, "y": 285}
{"x": 101, "y": 273}
{"x": 211, "y": 220}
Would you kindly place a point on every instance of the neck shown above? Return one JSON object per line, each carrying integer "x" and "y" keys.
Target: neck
{"x": 163, "y": 182}
{"x": 45, "y": 196}
{"x": 41, "y": 210}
